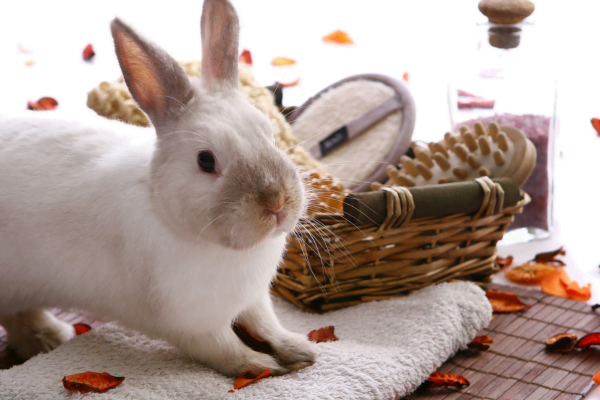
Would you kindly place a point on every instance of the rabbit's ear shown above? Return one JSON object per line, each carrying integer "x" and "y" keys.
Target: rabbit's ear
{"x": 156, "y": 81}
{"x": 220, "y": 30}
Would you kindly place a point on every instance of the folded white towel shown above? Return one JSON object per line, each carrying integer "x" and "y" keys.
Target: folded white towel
{"x": 386, "y": 350}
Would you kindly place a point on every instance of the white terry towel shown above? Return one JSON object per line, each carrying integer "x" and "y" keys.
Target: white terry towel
{"x": 385, "y": 351}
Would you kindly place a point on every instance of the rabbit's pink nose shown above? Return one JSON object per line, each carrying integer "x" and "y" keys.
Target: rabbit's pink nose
{"x": 274, "y": 211}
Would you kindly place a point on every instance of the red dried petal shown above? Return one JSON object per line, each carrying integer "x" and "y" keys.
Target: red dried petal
{"x": 252, "y": 341}
{"x": 324, "y": 334}
{"x": 231, "y": 391}
{"x": 439, "y": 379}
{"x": 289, "y": 84}
{"x": 463, "y": 93}
{"x": 246, "y": 57}
{"x": 43, "y": 104}
{"x": 504, "y": 262}
{"x": 244, "y": 381}
{"x": 505, "y": 301}
{"x": 481, "y": 343}
{"x": 591, "y": 339}
{"x": 563, "y": 342}
{"x": 22, "y": 49}
{"x": 476, "y": 104}
{"x": 596, "y": 125}
{"x": 80, "y": 329}
{"x": 88, "y": 52}
{"x": 98, "y": 382}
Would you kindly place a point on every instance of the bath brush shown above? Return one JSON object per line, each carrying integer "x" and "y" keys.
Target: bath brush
{"x": 356, "y": 127}
{"x": 498, "y": 151}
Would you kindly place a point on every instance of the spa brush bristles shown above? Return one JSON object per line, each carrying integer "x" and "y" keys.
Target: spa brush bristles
{"x": 493, "y": 152}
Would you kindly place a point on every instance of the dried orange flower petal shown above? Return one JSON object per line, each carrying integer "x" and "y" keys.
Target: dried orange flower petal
{"x": 575, "y": 292}
{"x": 282, "y": 61}
{"x": 552, "y": 285}
{"x": 322, "y": 335}
{"x": 439, "y": 379}
{"x": 43, "y": 104}
{"x": 481, "y": 343}
{"x": 244, "y": 381}
{"x": 559, "y": 284}
{"x": 505, "y": 301}
{"x": 98, "y": 382}
{"x": 596, "y": 377}
{"x": 339, "y": 37}
{"x": 596, "y": 125}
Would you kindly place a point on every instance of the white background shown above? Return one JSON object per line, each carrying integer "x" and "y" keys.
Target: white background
{"x": 427, "y": 39}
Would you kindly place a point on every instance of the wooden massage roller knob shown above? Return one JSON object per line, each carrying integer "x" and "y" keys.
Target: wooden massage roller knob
{"x": 326, "y": 195}
{"x": 498, "y": 151}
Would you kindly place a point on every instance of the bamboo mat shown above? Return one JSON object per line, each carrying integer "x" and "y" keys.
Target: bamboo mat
{"x": 515, "y": 367}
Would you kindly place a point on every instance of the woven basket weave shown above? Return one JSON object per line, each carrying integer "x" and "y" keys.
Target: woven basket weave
{"x": 332, "y": 264}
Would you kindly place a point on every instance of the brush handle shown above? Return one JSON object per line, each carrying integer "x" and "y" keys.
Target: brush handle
{"x": 430, "y": 201}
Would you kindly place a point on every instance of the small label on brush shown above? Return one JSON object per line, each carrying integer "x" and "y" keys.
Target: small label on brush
{"x": 334, "y": 140}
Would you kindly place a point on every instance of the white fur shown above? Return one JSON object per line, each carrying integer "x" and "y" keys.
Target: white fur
{"x": 107, "y": 217}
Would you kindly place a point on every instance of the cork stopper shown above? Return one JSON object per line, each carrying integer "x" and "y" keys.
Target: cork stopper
{"x": 506, "y": 11}
{"x": 505, "y": 15}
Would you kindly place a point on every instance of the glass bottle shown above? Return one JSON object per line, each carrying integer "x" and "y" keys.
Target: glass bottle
{"x": 505, "y": 82}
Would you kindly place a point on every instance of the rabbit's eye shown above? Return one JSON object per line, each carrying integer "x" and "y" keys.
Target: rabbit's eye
{"x": 206, "y": 161}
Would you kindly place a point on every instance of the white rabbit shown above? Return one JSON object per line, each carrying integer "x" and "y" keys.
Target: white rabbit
{"x": 175, "y": 231}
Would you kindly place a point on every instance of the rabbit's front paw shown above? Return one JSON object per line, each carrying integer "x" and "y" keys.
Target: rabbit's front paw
{"x": 295, "y": 351}
{"x": 260, "y": 362}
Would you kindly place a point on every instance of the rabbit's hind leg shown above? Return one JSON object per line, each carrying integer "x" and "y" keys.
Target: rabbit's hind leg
{"x": 35, "y": 331}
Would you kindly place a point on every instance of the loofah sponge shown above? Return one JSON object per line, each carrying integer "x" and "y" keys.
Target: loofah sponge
{"x": 495, "y": 152}
{"x": 113, "y": 100}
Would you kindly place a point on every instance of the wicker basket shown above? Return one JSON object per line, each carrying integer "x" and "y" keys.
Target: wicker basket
{"x": 332, "y": 264}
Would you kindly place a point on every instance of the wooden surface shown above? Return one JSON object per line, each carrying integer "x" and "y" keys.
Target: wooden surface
{"x": 515, "y": 367}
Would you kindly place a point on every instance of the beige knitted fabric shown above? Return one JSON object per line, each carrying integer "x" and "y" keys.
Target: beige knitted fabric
{"x": 113, "y": 100}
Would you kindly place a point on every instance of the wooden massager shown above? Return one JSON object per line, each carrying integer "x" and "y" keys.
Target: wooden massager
{"x": 499, "y": 151}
